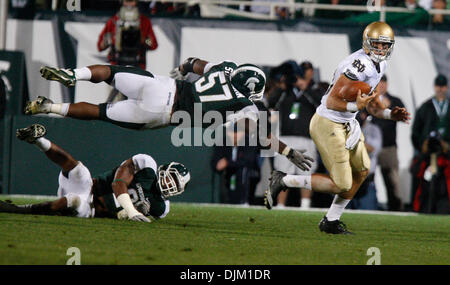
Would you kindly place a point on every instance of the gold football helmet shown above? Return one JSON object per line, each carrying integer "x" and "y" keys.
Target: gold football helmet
{"x": 378, "y": 41}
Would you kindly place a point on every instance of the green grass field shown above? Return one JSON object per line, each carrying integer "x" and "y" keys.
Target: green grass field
{"x": 208, "y": 235}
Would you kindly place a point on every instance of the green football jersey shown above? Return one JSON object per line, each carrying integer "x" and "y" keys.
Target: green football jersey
{"x": 214, "y": 92}
{"x": 143, "y": 188}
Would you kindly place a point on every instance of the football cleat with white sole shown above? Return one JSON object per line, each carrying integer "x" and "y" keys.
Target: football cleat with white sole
{"x": 275, "y": 187}
{"x": 41, "y": 105}
{"x": 64, "y": 76}
{"x": 31, "y": 133}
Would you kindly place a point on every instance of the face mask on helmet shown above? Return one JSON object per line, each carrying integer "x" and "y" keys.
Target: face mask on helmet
{"x": 249, "y": 80}
{"x": 172, "y": 179}
{"x": 378, "y": 41}
{"x": 379, "y": 50}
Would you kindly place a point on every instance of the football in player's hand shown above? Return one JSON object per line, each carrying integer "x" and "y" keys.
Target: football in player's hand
{"x": 350, "y": 90}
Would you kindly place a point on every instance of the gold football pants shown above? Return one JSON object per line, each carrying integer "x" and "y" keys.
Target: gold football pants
{"x": 340, "y": 162}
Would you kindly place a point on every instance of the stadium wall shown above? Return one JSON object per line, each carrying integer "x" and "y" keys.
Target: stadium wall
{"x": 70, "y": 40}
{"x": 101, "y": 147}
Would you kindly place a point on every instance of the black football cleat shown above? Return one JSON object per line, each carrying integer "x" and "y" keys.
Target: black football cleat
{"x": 11, "y": 208}
{"x": 333, "y": 227}
{"x": 275, "y": 187}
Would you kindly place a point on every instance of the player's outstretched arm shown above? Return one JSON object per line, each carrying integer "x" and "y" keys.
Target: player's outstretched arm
{"x": 122, "y": 179}
{"x": 297, "y": 157}
{"x": 57, "y": 207}
{"x": 192, "y": 64}
{"x": 377, "y": 109}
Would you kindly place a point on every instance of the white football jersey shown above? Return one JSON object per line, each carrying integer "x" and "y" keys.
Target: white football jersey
{"x": 357, "y": 66}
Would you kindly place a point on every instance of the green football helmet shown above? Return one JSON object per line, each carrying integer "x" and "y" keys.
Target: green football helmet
{"x": 172, "y": 179}
{"x": 249, "y": 80}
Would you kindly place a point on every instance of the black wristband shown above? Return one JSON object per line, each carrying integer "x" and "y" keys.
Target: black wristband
{"x": 188, "y": 65}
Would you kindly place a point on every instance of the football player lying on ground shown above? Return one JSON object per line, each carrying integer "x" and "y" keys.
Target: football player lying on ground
{"x": 135, "y": 190}
{"x": 152, "y": 100}
{"x": 336, "y": 132}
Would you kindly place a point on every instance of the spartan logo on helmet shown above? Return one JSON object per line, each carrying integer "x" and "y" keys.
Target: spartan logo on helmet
{"x": 172, "y": 179}
{"x": 249, "y": 80}
{"x": 251, "y": 83}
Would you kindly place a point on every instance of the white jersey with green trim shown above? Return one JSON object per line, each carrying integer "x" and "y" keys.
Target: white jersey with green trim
{"x": 359, "y": 67}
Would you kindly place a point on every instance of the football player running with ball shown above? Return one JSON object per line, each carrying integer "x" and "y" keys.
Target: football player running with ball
{"x": 136, "y": 189}
{"x": 153, "y": 101}
{"x": 337, "y": 133}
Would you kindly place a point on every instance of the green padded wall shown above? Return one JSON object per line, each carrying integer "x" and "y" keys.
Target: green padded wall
{"x": 101, "y": 146}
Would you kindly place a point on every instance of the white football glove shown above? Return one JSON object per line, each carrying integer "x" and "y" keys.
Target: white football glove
{"x": 176, "y": 74}
{"x": 300, "y": 159}
{"x": 140, "y": 218}
{"x": 122, "y": 215}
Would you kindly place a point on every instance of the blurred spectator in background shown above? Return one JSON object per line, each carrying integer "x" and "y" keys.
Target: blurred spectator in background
{"x": 439, "y": 19}
{"x": 128, "y": 34}
{"x": 396, "y": 3}
{"x": 239, "y": 165}
{"x": 410, "y": 4}
{"x": 417, "y": 16}
{"x": 21, "y": 9}
{"x": 174, "y": 9}
{"x": 426, "y": 4}
{"x": 296, "y": 99}
{"x": 431, "y": 164}
{"x": 366, "y": 197}
{"x": 388, "y": 158}
{"x": 338, "y": 14}
{"x": 280, "y": 12}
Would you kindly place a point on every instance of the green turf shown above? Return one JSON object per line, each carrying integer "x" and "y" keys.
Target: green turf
{"x": 192, "y": 235}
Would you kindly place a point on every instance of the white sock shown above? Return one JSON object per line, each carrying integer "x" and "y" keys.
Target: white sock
{"x": 305, "y": 203}
{"x": 337, "y": 208}
{"x": 43, "y": 144}
{"x": 60, "y": 109}
{"x": 298, "y": 181}
{"x": 83, "y": 73}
